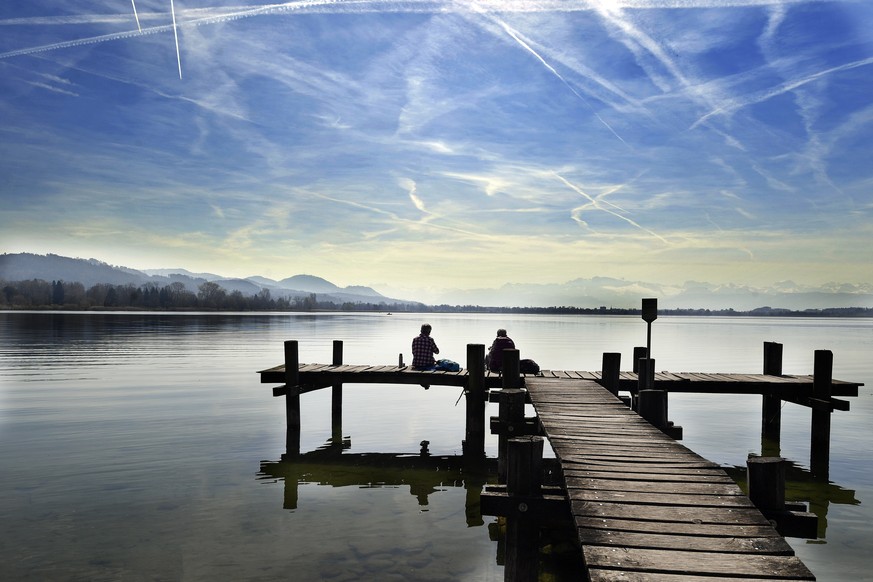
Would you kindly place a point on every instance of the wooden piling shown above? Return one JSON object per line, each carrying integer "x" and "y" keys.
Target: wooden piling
{"x": 820, "y": 439}
{"x": 524, "y": 479}
{"x": 610, "y": 371}
{"x": 653, "y": 407}
{"x": 646, "y": 375}
{"x": 511, "y": 419}
{"x": 771, "y": 412}
{"x": 292, "y": 399}
{"x": 474, "y": 441}
{"x": 766, "y": 479}
{"x": 336, "y": 400}
{"x": 511, "y": 409}
{"x": 640, "y": 352}
{"x": 511, "y": 373}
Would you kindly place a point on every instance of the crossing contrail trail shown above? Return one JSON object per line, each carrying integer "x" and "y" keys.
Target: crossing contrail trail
{"x": 176, "y": 35}
{"x": 135, "y": 15}
{"x": 517, "y": 38}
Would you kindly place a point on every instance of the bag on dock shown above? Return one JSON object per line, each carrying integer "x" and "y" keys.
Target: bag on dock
{"x": 447, "y": 366}
{"x": 528, "y": 367}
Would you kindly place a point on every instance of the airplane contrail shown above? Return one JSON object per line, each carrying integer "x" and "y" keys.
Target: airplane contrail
{"x": 595, "y": 203}
{"x": 176, "y": 35}
{"x": 506, "y": 28}
{"x": 135, "y": 15}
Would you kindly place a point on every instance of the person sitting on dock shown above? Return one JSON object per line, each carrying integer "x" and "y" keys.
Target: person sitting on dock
{"x": 494, "y": 359}
{"x": 423, "y": 349}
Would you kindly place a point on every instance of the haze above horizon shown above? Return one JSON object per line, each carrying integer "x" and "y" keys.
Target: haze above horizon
{"x": 422, "y": 146}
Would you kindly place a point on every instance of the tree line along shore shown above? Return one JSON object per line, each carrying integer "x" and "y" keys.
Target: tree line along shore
{"x": 37, "y": 294}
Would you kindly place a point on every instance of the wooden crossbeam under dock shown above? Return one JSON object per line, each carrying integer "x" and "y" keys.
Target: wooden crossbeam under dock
{"x": 645, "y": 506}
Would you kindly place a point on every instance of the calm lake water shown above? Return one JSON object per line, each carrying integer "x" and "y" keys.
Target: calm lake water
{"x": 143, "y": 447}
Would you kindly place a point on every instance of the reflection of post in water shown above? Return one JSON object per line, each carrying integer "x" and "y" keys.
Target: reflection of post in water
{"x": 423, "y": 473}
{"x": 802, "y": 485}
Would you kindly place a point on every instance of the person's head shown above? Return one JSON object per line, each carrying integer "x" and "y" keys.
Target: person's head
{"x": 501, "y": 332}
{"x": 425, "y": 329}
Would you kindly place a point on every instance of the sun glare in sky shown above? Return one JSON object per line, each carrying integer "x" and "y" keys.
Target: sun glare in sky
{"x": 424, "y": 145}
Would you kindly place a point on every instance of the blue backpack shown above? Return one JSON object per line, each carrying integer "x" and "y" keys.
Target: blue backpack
{"x": 447, "y": 366}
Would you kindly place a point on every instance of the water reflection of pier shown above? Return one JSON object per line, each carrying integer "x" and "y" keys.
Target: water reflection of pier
{"x": 802, "y": 485}
{"x": 423, "y": 473}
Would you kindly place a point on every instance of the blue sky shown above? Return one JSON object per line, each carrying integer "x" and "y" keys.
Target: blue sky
{"x": 421, "y": 146}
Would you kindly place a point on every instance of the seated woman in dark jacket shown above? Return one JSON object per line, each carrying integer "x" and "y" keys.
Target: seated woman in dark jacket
{"x": 494, "y": 359}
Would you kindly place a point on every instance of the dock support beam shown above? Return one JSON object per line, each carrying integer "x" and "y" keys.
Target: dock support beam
{"x": 474, "y": 442}
{"x": 336, "y": 399}
{"x": 820, "y": 443}
{"x": 610, "y": 370}
{"x": 511, "y": 408}
{"x": 765, "y": 477}
{"x": 524, "y": 479}
{"x": 771, "y": 412}
{"x": 292, "y": 399}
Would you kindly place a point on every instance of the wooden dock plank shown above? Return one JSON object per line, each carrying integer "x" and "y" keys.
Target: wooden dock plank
{"x": 679, "y": 528}
{"x": 688, "y": 543}
{"x": 728, "y": 565}
{"x": 659, "y": 486}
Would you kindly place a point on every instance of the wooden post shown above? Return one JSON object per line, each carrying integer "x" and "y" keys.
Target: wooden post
{"x": 820, "y": 443}
{"x": 653, "y": 407}
{"x": 610, "y": 371}
{"x": 646, "y": 378}
{"x": 511, "y": 374}
{"x": 474, "y": 442}
{"x": 511, "y": 406}
{"x": 524, "y": 478}
{"x": 292, "y": 399}
{"x": 510, "y": 413}
{"x": 771, "y": 412}
{"x": 336, "y": 400}
{"x": 766, "y": 479}
{"x": 639, "y": 353}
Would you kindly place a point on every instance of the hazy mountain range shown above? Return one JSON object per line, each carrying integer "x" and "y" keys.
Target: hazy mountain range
{"x": 591, "y": 293}
{"x": 90, "y": 272}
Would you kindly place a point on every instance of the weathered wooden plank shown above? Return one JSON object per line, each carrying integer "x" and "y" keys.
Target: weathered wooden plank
{"x": 631, "y": 466}
{"x": 665, "y": 499}
{"x": 663, "y": 487}
{"x": 308, "y": 367}
{"x": 662, "y": 513}
{"x": 678, "y": 528}
{"x": 601, "y": 575}
{"x": 649, "y": 475}
{"x": 598, "y": 440}
{"x": 697, "y": 563}
{"x": 633, "y": 455}
{"x": 776, "y": 546}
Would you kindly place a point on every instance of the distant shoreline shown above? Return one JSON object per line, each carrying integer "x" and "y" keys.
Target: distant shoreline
{"x": 841, "y": 312}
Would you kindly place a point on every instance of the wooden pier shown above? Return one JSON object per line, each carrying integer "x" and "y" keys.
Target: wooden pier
{"x": 644, "y": 507}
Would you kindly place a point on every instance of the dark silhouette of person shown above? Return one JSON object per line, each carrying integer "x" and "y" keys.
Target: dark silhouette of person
{"x": 423, "y": 349}
{"x": 494, "y": 359}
